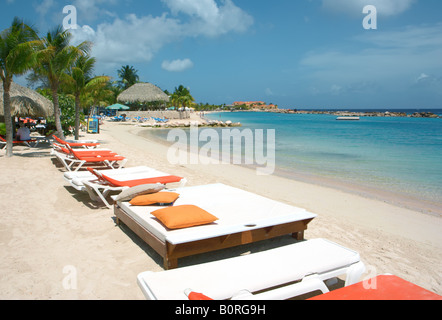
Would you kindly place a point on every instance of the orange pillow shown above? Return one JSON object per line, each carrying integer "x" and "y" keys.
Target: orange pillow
{"x": 185, "y": 216}
{"x": 153, "y": 198}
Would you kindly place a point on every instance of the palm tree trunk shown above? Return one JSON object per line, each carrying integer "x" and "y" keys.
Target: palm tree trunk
{"x": 7, "y": 114}
{"x": 77, "y": 117}
{"x": 57, "y": 112}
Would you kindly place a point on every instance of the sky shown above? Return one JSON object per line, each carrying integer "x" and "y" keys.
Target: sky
{"x": 303, "y": 54}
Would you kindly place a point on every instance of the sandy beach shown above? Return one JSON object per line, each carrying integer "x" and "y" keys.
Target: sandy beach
{"x": 50, "y": 233}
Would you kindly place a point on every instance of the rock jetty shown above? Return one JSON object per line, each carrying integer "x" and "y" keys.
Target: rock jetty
{"x": 188, "y": 124}
{"x": 360, "y": 114}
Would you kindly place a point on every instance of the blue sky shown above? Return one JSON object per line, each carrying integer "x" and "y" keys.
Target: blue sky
{"x": 297, "y": 54}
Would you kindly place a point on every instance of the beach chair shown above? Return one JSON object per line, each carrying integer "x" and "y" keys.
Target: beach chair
{"x": 84, "y": 152}
{"x": 76, "y": 160}
{"x": 76, "y": 179}
{"x": 276, "y": 274}
{"x": 383, "y": 287}
{"x": 243, "y": 218}
{"x": 29, "y": 143}
{"x": 104, "y": 184}
{"x": 77, "y": 144}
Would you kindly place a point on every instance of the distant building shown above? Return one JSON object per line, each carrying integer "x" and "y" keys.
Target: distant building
{"x": 261, "y": 105}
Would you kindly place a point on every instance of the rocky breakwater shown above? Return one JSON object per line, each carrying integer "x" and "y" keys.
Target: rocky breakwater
{"x": 361, "y": 114}
{"x": 424, "y": 115}
{"x": 188, "y": 124}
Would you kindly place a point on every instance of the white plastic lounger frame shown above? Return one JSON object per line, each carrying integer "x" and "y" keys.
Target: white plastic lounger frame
{"x": 72, "y": 164}
{"x": 276, "y": 274}
{"x": 29, "y": 143}
{"x": 82, "y": 141}
{"x": 56, "y": 148}
{"x": 99, "y": 191}
{"x": 243, "y": 218}
{"x": 76, "y": 178}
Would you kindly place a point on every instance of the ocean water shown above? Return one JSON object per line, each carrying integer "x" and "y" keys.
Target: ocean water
{"x": 388, "y": 154}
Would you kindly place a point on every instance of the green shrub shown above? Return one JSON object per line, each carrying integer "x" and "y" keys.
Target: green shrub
{"x": 2, "y": 129}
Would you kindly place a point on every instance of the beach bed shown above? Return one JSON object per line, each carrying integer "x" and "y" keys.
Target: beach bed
{"x": 243, "y": 218}
{"x": 277, "y": 274}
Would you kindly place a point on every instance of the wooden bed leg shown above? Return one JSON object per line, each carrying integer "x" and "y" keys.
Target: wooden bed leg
{"x": 298, "y": 235}
{"x": 170, "y": 263}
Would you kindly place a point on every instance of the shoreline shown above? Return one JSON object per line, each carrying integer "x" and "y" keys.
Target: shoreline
{"x": 54, "y": 228}
{"x": 401, "y": 199}
{"x": 396, "y": 198}
{"x": 320, "y": 184}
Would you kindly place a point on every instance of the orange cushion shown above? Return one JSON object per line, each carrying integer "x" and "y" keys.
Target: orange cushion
{"x": 184, "y": 216}
{"x": 133, "y": 183}
{"x": 153, "y": 198}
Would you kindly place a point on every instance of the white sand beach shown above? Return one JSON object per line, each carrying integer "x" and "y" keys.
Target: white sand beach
{"x": 50, "y": 233}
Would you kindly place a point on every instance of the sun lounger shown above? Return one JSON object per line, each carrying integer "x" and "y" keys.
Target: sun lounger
{"x": 384, "y": 287}
{"x": 276, "y": 274}
{"x": 76, "y": 178}
{"x": 75, "y": 161}
{"x": 103, "y": 184}
{"x": 77, "y": 144}
{"x": 243, "y": 218}
{"x": 29, "y": 143}
{"x": 84, "y": 152}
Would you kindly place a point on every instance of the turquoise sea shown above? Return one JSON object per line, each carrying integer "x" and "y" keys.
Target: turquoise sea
{"x": 382, "y": 155}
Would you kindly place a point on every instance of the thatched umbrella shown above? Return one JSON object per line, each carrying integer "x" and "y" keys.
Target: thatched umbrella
{"x": 143, "y": 93}
{"x": 26, "y": 102}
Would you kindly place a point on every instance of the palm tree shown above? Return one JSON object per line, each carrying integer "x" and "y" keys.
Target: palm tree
{"x": 102, "y": 95}
{"x": 56, "y": 57}
{"x": 16, "y": 58}
{"x": 182, "y": 97}
{"x": 80, "y": 82}
{"x": 128, "y": 76}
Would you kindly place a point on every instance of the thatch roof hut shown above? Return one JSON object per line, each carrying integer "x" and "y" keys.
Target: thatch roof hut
{"x": 26, "y": 102}
{"x": 143, "y": 93}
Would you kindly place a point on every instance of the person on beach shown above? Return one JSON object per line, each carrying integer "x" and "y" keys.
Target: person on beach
{"x": 23, "y": 133}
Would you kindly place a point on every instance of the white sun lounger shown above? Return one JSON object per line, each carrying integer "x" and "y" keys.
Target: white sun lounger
{"x": 244, "y": 217}
{"x": 74, "y": 164}
{"x": 85, "y": 181}
{"x": 76, "y": 179}
{"x": 293, "y": 270}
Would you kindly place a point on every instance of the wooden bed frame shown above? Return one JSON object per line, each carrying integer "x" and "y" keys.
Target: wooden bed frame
{"x": 171, "y": 253}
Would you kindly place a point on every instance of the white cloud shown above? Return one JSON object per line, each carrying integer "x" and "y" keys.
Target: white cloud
{"x": 422, "y": 77}
{"x": 131, "y": 39}
{"x": 138, "y": 38}
{"x": 211, "y": 19}
{"x": 177, "y": 65}
{"x": 387, "y": 60}
{"x": 269, "y": 92}
{"x": 354, "y": 7}
{"x": 429, "y": 81}
{"x": 89, "y": 10}
{"x": 45, "y": 6}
